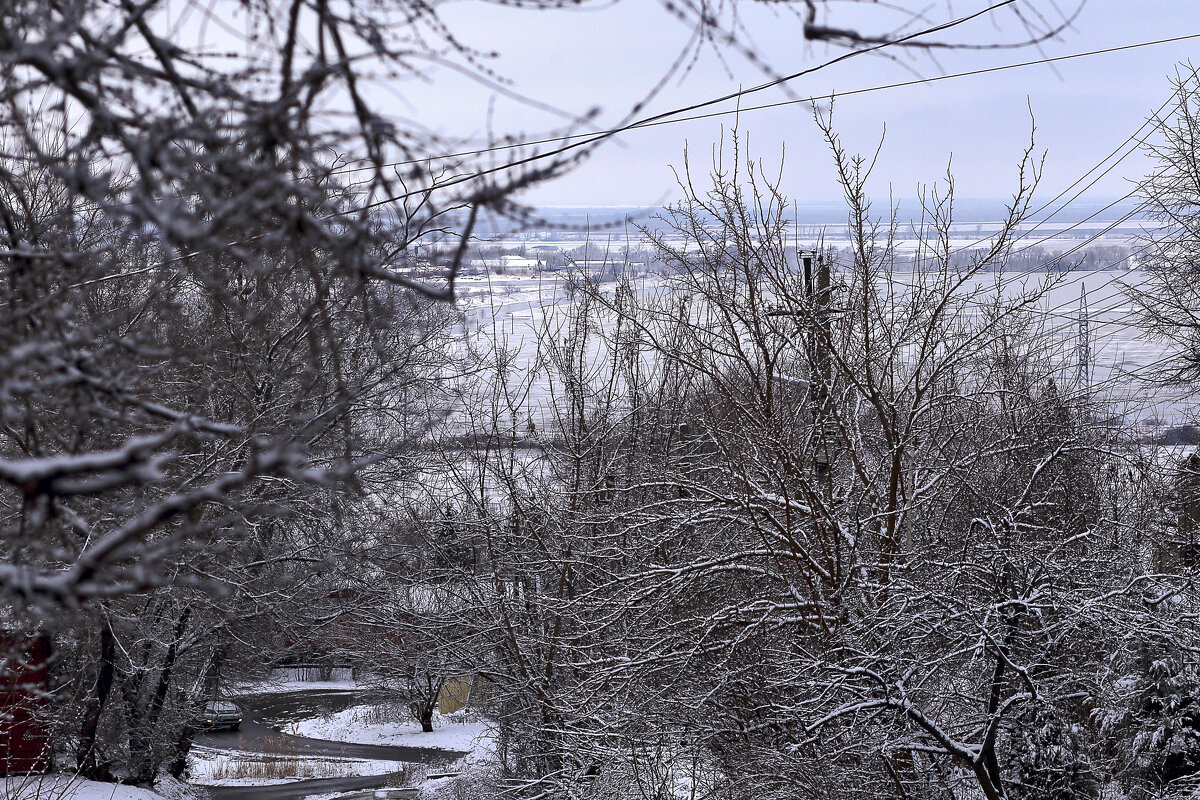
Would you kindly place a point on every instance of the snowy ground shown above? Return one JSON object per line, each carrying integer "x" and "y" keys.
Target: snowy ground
{"x": 71, "y": 787}
{"x": 283, "y": 687}
{"x": 209, "y": 767}
{"x": 367, "y": 724}
{"x": 463, "y": 732}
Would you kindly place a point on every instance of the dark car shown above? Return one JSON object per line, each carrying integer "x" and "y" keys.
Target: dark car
{"x": 219, "y": 714}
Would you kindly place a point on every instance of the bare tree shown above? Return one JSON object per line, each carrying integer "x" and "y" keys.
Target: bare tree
{"x": 1171, "y": 199}
{"x": 826, "y": 533}
{"x": 217, "y": 354}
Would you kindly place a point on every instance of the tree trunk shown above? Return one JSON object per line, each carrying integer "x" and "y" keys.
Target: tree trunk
{"x": 178, "y": 763}
{"x": 211, "y": 683}
{"x": 85, "y": 754}
{"x": 144, "y": 763}
{"x": 989, "y": 787}
{"x": 164, "y": 678}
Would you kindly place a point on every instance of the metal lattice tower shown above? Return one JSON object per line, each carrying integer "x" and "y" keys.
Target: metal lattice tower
{"x": 1083, "y": 345}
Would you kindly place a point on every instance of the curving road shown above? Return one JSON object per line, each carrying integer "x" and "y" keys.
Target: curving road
{"x": 258, "y": 735}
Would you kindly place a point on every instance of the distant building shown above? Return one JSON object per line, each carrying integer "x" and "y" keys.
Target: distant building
{"x": 462, "y": 690}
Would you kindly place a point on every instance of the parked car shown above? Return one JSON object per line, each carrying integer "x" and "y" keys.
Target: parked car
{"x": 219, "y": 714}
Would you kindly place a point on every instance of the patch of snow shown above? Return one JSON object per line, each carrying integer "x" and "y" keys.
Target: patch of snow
{"x": 284, "y": 687}
{"x": 476, "y": 782}
{"x": 395, "y": 791}
{"x": 175, "y": 789}
{"x": 461, "y": 732}
{"x": 69, "y": 787}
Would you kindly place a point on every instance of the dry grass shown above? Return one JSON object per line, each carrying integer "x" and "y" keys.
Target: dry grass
{"x": 276, "y": 762}
{"x": 383, "y": 713}
{"x": 278, "y": 767}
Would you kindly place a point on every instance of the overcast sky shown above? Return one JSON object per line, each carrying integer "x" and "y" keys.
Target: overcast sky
{"x": 610, "y": 57}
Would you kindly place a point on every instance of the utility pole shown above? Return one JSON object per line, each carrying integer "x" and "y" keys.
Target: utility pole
{"x": 819, "y": 294}
{"x": 823, "y": 439}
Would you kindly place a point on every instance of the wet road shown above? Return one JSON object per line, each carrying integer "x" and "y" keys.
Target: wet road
{"x": 299, "y": 789}
{"x": 257, "y": 735}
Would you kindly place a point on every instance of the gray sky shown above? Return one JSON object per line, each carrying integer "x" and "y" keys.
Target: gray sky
{"x": 610, "y": 57}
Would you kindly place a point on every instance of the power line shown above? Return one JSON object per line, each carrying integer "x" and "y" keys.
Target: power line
{"x": 599, "y": 136}
{"x": 656, "y": 121}
{"x": 1131, "y": 138}
{"x": 596, "y": 137}
{"x": 1053, "y": 311}
{"x": 664, "y": 119}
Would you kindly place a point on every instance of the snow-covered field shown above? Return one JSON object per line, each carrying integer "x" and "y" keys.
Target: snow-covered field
{"x": 1123, "y": 358}
{"x": 512, "y": 312}
{"x": 461, "y": 732}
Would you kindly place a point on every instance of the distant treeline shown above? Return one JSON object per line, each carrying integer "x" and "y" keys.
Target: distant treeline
{"x": 1034, "y": 259}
